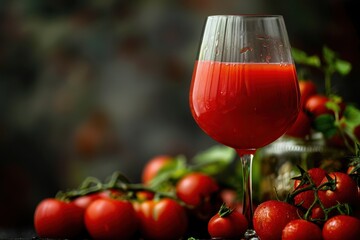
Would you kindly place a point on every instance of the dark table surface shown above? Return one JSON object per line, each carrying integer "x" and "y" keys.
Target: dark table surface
{"x": 21, "y": 233}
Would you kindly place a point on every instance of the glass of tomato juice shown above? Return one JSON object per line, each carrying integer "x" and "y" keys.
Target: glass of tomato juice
{"x": 244, "y": 91}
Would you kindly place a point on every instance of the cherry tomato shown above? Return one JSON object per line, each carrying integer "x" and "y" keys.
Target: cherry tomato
{"x": 317, "y": 213}
{"x": 163, "y": 219}
{"x": 231, "y": 199}
{"x": 305, "y": 199}
{"x": 354, "y": 173}
{"x": 270, "y": 218}
{"x": 201, "y": 192}
{"x": 153, "y": 166}
{"x": 302, "y": 126}
{"x": 85, "y": 201}
{"x": 144, "y": 195}
{"x": 307, "y": 89}
{"x": 108, "y": 218}
{"x": 111, "y": 193}
{"x": 356, "y": 132}
{"x": 341, "y": 227}
{"x": 300, "y": 229}
{"x": 350, "y": 170}
{"x": 316, "y": 105}
{"x": 345, "y": 190}
{"x": 227, "y": 224}
{"x": 58, "y": 219}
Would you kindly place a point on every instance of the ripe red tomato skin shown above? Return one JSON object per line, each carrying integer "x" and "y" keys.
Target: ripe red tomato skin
{"x": 153, "y": 166}
{"x": 302, "y": 126}
{"x": 108, "y": 218}
{"x": 341, "y": 227}
{"x": 230, "y": 198}
{"x": 346, "y": 190}
{"x": 111, "y": 193}
{"x": 300, "y": 229}
{"x": 195, "y": 187}
{"x": 307, "y": 198}
{"x": 316, "y": 105}
{"x": 86, "y": 200}
{"x": 317, "y": 213}
{"x": 307, "y": 89}
{"x": 201, "y": 192}
{"x": 163, "y": 219}
{"x": 232, "y": 226}
{"x": 270, "y": 218}
{"x": 58, "y": 219}
{"x": 356, "y": 132}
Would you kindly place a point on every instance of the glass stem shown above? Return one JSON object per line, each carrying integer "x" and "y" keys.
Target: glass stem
{"x": 246, "y": 163}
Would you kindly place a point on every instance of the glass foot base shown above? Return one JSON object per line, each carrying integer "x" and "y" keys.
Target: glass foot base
{"x": 250, "y": 234}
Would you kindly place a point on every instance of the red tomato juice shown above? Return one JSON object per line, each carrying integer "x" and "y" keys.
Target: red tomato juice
{"x": 244, "y": 105}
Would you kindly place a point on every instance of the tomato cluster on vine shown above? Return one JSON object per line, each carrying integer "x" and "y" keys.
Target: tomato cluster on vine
{"x": 118, "y": 209}
{"x": 176, "y": 200}
{"x": 322, "y": 205}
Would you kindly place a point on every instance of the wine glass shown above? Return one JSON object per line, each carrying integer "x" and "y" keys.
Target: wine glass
{"x": 244, "y": 91}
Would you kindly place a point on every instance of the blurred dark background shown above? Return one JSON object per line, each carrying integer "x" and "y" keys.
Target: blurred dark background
{"x": 88, "y": 87}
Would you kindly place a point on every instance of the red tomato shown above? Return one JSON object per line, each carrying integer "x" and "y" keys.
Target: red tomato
{"x": 231, "y": 199}
{"x": 144, "y": 195}
{"x": 111, "y": 193}
{"x": 350, "y": 170}
{"x": 58, "y": 219}
{"x": 163, "y": 219}
{"x": 316, "y": 105}
{"x": 341, "y": 227}
{"x": 317, "y": 213}
{"x": 357, "y": 132}
{"x": 270, "y": 218}
{"x": 85, "y": 201}
{"x": 200, "y": 191}
{"x": 227, "y": 224}
{"x": 153, "y": 166}
{"x": 108, "y": 218}
{"x": 345, "y": 190}
{"x": 300, "y": 229}
{"x": 195, "y": 188}
{"x": 307, "y": 89}
{"x": 302, "y": 126}
{"x": 307, "y": 198}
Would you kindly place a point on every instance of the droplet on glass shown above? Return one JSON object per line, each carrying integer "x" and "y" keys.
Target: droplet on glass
{"x": 246, "y": 49}
{"x": 268, "y": 58}
{"x": 262, "y": 37}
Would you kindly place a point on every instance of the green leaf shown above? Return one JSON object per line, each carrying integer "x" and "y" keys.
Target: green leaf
{"x": 352, "y": 116}
{"x": 343, "y": 67}
{"x": 301, "y": 57}
{"x": 170, "y": 173}
{"x": 325, "y": 124}
{"x": 333, "y": 106}
{"x": 334, "y": 63}
{"x": 329, "y": 55}
{"x": 214, "y": 160}
{"x": 224, "y": 211}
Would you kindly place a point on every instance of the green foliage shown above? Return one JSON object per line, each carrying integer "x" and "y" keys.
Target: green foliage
{"x": 329, "y": 64}
{"x": 302, "y": 57}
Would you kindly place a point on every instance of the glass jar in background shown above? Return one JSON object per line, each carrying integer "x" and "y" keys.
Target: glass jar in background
{"x": 277, "y": 163}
